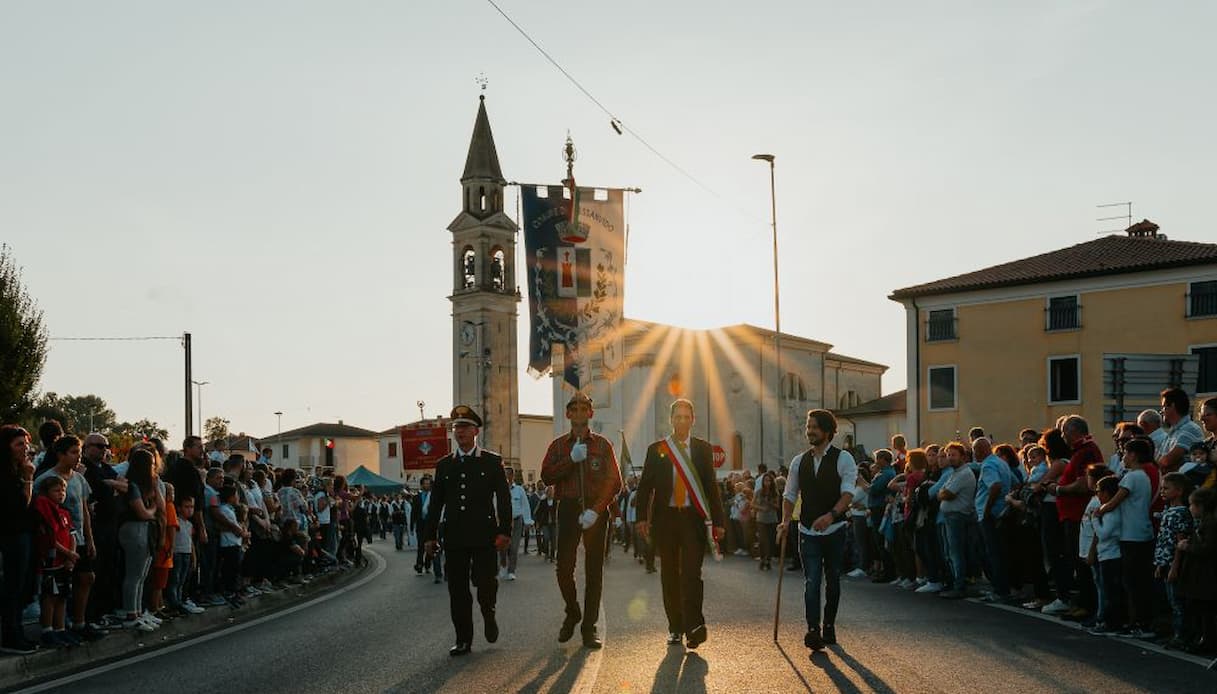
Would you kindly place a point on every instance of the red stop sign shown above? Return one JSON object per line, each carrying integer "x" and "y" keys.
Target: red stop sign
{"x": 720, "y": 456}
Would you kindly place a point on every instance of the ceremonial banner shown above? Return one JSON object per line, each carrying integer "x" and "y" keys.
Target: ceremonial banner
{"x": 422, "y": 447}
{"x": 575, "y": 276}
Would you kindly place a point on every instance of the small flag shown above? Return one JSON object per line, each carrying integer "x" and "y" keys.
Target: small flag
{"x": 626, "y": 460}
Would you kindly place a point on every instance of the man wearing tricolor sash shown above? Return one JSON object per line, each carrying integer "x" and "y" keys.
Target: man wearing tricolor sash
{"x": 824, "y": 476}
{"x": 680, "y": 511}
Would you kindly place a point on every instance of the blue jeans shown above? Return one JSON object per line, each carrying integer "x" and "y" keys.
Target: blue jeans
{"x": 1176, "y": 603}
{"x": 995, "y": 557}
{"x": 178, "y": 576}
{"x": 822, "y": 556}
{"x": 957, "y": 548}
{"x": 1100, "y": 614}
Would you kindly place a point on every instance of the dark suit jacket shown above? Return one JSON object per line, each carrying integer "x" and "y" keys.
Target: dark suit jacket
{"x": 466, "y": 494}
{"x": 655, "y": 487}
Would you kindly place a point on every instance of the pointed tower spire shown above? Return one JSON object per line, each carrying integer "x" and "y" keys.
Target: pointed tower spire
{"x": 483, "y": 160}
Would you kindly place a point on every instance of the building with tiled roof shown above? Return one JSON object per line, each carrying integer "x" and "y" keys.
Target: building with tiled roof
{"x": 1096, "y": 328}
{"x": 324, "y": 448}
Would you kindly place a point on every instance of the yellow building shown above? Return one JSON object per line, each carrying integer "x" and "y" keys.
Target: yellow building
{"x": 1096, "y": 329}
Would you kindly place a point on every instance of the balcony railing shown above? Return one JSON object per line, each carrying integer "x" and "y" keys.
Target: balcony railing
{"x": 940, "y": 328}
{"x": 1065, "y": 317}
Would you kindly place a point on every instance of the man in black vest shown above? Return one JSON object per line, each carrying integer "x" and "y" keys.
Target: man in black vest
{"x": 675, "y": 510}
{"x": 824, "y": 475}
{"x": 469, "y": 486}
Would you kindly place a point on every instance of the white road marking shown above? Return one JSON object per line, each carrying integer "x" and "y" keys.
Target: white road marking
{"x": 125, "y": 662}
{"x": 1139, "y": 643}
{"x": 586, "y": 683}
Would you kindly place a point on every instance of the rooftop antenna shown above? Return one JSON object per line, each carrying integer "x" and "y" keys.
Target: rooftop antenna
{"x": 1127, "y": 216}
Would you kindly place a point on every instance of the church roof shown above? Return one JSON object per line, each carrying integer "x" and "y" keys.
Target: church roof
{"x": 483, "y": 159}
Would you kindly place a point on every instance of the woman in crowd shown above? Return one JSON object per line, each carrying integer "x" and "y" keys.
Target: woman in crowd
{"x": 766, "y": 504}
{"x": 16, "y": 527}
{"x": 135, "y": 519}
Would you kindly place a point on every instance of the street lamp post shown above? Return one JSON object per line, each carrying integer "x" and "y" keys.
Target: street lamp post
{"x": 777, "y": 306}
{"x": 200, "y": 385}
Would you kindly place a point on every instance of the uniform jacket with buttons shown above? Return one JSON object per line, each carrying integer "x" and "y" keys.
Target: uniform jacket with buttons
{"x": 464, "y": 495}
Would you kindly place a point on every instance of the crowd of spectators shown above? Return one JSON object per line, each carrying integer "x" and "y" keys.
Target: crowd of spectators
{"x": 91, "y": 545}
{"x": 1124, "y": 545}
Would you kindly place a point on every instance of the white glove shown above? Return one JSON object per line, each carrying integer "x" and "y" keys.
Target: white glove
{"x": 588, "y": 518}
{"x": 578, "y": 452}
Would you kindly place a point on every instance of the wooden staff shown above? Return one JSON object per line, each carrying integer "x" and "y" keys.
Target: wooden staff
{"x": 777, "y": 608}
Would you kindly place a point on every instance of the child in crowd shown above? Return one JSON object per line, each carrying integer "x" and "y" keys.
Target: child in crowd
{"x": 1105, "y": 553}
{"x": 1196, "y": 559}
{"x": 1094, "y": 473}
{"x": 232, "y": 536}
{"x": 57, "y": 555}
{"x": 162, "y": 558}
{"x": 183, "y": 558}
{"x": 1176, "y": 525}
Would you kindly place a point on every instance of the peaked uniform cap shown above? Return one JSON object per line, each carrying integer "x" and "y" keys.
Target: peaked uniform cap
{"x": 464, "y": 414}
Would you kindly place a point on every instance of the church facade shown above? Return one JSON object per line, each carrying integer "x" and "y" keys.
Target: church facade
{"x": 731, "y": 376}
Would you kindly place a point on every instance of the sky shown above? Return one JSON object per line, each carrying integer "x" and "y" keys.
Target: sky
{"x": 276, "y": 178}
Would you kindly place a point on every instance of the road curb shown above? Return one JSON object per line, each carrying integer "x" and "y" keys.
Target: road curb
{"x": 18, "y": 671}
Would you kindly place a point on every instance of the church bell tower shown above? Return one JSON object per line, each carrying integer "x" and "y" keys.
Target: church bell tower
{"x": 485, "y": 298}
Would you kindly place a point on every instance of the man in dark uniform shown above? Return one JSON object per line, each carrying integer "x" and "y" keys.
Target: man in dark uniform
{"x": 583, "y": 471}
{"x": 824, "y": 476}
{"x": 678, "y": 504}
{"x": 469, "y": 486}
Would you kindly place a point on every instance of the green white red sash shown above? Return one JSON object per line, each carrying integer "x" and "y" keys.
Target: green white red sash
{"x": 692, "y": 482}
{"x": 684, "y": 469}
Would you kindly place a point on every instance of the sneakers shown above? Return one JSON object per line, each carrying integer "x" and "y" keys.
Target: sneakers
{"x": 1055, "y": 607}
{"x": 89, "y": 633}
{"x": 191, "y": 608}
{"x": 1100, "y": 629}
{"x": 856, "y": 573}
{"x": 1138, "y": 633}
{"x": 905, "y": 583}
{"x": 511, "y": 576}
{"x": 52, "y": 639}
{"x": 214, "y": 601}
{"x": 930, "y": 587}
{"x": 152, "y": 619}
{"x": 741, "y": 552}
{"x": 138, "y": 625}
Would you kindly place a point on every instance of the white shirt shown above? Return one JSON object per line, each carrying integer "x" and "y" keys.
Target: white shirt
{"x": 1135, "y": 525}
{"x": 519, "y": 504}
{"x": 847, "y": 469}
{"x": 323, "y": 514}
{"x": 688, "y": 444}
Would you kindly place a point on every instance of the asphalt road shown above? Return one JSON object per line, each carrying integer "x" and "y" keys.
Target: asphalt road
{"x": 390, "y": 633}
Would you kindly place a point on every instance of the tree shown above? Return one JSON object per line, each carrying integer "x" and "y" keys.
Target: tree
{"x": 23, "y": 338}
{"x": 216, "y": 429}
{"x": 87, "y": 413}
{"x": 138, "y": 430}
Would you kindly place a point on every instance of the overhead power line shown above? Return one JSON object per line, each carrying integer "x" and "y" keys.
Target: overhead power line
{"x": 116, "y": 339}
{"x": 616, "y": 122}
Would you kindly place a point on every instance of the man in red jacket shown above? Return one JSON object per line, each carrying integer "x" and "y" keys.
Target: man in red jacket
{"x": 583, "y": 470}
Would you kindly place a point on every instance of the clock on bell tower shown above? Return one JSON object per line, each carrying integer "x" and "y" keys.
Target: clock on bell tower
{"x": 485, "y": 298}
